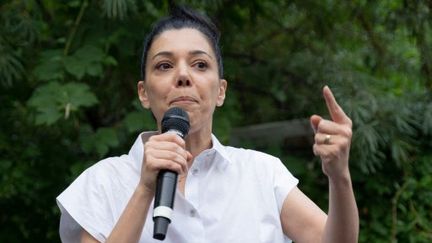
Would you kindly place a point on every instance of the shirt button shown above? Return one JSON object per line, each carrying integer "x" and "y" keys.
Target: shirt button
{"x": 195, "y": 171}
{"x": 192, "y": 212}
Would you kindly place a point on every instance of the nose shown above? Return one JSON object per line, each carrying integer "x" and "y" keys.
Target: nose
{"x": 183, "y": 78}
{"x": 183, "y": 82}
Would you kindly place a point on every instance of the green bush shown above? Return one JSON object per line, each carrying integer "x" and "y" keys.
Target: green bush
{"x": 68, "y": 74}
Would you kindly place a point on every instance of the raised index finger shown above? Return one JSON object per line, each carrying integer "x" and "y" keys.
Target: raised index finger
{"x": 336, "y": 112}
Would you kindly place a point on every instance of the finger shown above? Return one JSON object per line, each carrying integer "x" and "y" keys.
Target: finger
{"x": 325, "y": 139}
{"x": 169, "y": 155}
{"x": 168, "y": 137}
{"x": 325, "y": 152}
{"x": 189, "y": 156}
{"x": 333, "y": 128}
{"x": 154, "y": 159}
{"x": 319, "y": 150}
{"x": 162, "y": 164}
{"x": 314, "y": 121}
{"x": 163, "y": 146}
{"x": 336, "y": 112}
{"x": 166, "y": 151}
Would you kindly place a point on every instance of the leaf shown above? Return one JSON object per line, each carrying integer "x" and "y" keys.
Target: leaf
{"x": 138, "y": 121}
{"x": 118, "y": 8}
{"x": 75, "y": 67}
{"x": 104, "y": 139}
{"x": 400, "y": 151}
{"x": 50, "y": 66}
{"x": 95, "y": 70}
{"x": 427, "y": 120}
{"x": 100, "y": 141}
{"x": 48, "y": 115}
{"x": 111, "y": 61}
{"x": 151, "y": 9}
{"x": 78, "y": 94}
{"x": 11, "y": 68}
{"x": 53, "y": 99}
{"x": 90, "y": 54}
{"x": 88, "y": 60}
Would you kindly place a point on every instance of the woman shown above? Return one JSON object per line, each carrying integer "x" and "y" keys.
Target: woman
{"x": 224, "y": 194}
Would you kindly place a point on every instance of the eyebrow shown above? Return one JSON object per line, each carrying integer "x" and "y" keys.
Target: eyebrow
{"x": 192, "y": 53}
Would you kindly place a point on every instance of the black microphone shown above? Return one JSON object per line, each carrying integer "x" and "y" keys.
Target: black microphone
{"x": 176, "y": 121}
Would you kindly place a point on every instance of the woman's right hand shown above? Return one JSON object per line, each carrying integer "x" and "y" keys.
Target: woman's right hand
{"x": 163, "y": 151}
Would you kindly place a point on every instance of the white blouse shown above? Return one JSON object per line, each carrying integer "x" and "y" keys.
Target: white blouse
{"x": 231, "y": 195}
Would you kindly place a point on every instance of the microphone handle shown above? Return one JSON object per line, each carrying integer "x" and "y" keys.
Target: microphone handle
{"x": 166, "y": 186}
{"x": 164, "y": 202}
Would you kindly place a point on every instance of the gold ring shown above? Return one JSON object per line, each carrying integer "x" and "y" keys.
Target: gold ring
{"x": 327, "y": 139}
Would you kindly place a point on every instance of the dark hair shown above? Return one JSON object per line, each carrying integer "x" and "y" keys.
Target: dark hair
{"x": 179, "y": 18}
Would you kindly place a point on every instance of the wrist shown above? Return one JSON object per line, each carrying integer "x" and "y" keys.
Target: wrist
{"x": 342, "y": 179}
{"x": 143, "y": 191}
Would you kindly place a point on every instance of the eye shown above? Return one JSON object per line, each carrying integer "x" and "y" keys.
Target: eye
{"x": 163, "y": 66}
{"x": 201, "y": 65}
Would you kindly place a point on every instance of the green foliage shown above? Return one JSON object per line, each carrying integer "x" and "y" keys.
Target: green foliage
{"x": 100, "y": 141}
{"x": 68, "y": 74}
{"x": 51, "y": 100}
{"x": 49, "y": 66}
{"x": 118, "y": 8}
{"x": 87, "y": 60}
{"x": 11, "y": 68}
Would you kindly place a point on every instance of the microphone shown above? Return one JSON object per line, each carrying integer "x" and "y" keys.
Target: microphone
{"x": 175, "y": 120}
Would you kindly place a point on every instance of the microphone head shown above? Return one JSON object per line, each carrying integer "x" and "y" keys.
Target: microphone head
{"x": 176, "y": 119}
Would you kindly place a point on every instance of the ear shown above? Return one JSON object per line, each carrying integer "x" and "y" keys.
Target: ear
{"x": 221, "y": 95}
{"x": 142, "y": 94}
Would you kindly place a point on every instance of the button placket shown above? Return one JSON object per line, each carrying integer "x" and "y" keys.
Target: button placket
{"x": 192, "y": 213}
{"x": 192, "y": 186}
{"x": 195, "y": 171}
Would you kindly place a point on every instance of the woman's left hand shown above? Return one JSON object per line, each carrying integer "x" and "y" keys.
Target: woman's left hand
{"x": 332, "y": 138}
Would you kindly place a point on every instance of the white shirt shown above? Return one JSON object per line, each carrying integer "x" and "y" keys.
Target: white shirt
{"x": 231, "y": 195}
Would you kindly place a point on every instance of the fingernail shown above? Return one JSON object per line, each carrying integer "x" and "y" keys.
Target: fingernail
{"x": 312, "y": 125}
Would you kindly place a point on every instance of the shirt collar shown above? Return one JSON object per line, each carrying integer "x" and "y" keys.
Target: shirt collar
{"x": 137, "y": 150}
{"x": 221, "y": 151}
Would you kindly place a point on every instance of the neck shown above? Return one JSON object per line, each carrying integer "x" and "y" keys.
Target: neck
{"x": 198, "y": 141}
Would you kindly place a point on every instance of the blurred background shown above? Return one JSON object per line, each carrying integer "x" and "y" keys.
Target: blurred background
{"x": 68, "y": 98}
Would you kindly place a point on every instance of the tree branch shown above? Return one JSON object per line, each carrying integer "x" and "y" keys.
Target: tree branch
{"x": 75, "y": 27}
{"x": 395, "y": 202}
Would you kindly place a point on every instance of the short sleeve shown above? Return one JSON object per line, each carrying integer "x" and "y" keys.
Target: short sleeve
{"x": 85, "y": 205}
{"x": 283, "y": 182}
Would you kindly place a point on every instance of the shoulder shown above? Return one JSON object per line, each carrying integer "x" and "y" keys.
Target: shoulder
{"x": 260, "y": 163}
{"x": 267, "y": 169}
{"x": 239, "y": 155}
{"x": 255, "y": 162}
{"x": 114, "y": 165}
{"x": 102, "y": 176}
{"x": 97, "y": 194}
{"x": 250, "y": 156}
{"x": 111, "y": 171}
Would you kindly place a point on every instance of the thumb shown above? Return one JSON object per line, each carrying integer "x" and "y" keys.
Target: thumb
{"x": 189, "y": 156}
{"x": 314, "y": 121}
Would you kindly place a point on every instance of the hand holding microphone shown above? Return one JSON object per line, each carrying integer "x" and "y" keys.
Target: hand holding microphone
{"x": 165, "y": 157}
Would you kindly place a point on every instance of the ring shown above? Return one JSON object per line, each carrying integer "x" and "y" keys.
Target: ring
{"x": 327, "y": 139}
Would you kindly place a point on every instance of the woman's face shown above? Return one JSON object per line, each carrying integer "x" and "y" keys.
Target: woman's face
{"x": 182, "y": 71}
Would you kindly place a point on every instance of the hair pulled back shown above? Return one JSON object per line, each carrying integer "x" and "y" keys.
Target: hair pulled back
{"x": 180, "y": 18}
